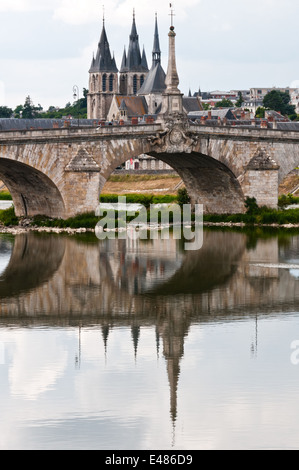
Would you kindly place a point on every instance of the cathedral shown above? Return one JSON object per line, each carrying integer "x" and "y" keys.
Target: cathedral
{"x": 134, "y": 90}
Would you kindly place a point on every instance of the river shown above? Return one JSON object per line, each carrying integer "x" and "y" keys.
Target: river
{"x": 135, "y": 344}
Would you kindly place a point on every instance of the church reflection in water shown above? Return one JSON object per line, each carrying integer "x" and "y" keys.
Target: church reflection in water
{"x": 79, "y": 281}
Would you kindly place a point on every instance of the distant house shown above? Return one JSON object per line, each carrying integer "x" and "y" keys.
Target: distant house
{"x": 192, "y": 104}
{"x": 147, "y": 164}
{"x": 214, "y": 114}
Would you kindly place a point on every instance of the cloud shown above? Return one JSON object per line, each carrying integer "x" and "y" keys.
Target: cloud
{"x": 47, "y": 359}
{"x": 117, "y": 12}
{"x": 26, "y": 5}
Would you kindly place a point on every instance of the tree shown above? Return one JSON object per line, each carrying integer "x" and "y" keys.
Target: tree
{"x": 240, "y": 100}
{"x": 30, "y": 111}
{"x": 260, "y": 113}
{"x": 18, "y": 112}
{"x": 279, "y": 101}
{"x": 224, "y": 104}
{"x": 5, "y": 112}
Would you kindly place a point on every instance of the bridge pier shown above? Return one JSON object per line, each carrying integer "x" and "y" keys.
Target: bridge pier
{"x": 260, "y": 180}
{"x": 81, "y": 192}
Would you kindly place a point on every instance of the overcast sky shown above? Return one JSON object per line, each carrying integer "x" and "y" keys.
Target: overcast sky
{"x": 47, "y": 45}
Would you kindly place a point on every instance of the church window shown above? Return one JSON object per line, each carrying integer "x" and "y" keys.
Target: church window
{"x": 111, "y": 82}
{"x": 104, "y": 82}
{"x": 135, "y": 81}
{"x": 141, "y": 80}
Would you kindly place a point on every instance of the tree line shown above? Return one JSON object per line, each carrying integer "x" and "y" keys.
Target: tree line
{"x": 29, "y": 111}
{"x": 275, "y": 101}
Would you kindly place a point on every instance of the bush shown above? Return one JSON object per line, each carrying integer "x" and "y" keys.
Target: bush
{"x": 287, "y": 200}
{"x": 251, "y": 205}
{"x": 5, "y": 196}
{"x": 8, "y": 217}
{"x": 183, "y": 197}
{"x": 144, "y": 199}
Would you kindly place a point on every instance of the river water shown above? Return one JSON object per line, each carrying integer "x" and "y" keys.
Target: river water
{"x": 131, "y": 344}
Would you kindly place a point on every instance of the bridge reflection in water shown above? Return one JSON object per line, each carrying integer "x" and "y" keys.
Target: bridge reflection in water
{"x": 79, "y": 281}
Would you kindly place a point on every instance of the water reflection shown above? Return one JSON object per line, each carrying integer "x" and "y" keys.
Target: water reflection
{"x": 84, "y": 286}
{"x": 64, "y": 278}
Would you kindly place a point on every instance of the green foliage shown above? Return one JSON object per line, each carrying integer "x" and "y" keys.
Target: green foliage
{"x": 225, "y": 103}
{"x": 240, "y": 100}
{"x": 287, "y": 200}
{"x": 279, "y": 101}
{"x": 29, "y": 110}
{"x": 8, "y": 217}
{"x": 5, "y": 112}
{"x": 77, "y": 110}
{"x": 183, "y": 197}
{"x": 5, "y": 196}
{"x": 85, "y": 220}
{"x": 251, "y": 205}
{"x": 145, "y": 200}
{"x": 260, "y": 113}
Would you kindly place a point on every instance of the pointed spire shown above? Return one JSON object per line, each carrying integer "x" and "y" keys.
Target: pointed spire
{"x": 134, "y": 28}
{"x": 135, "y": 331}
{"x": 123, "y": 106}
{"x": 172, "y": 79}
{"x": 155, "y": 80}
{"x": 103, "y": 62}
{"x": 172, "y": 98}
{"x": 105, "y": 334}
{"x": 134, "y": 59}
{"x": 144, "y": 60}
{"x": 124, "y": 65}
{"x": 156, "y": 48}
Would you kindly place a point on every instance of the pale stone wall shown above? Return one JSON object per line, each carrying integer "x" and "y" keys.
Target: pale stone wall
{"x": 263, "y": 186}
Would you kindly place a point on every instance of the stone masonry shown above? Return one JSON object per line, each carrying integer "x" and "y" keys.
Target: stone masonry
{"x": 61, "y": 172}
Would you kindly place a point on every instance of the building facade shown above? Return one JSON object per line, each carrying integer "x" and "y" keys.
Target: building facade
{"x": 106, "y": 81}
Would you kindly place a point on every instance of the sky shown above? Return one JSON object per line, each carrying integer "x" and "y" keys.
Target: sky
{"x": 47, "y": 46}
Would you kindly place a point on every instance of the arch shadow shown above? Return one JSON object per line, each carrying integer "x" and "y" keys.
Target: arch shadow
{"x": 34, "y": 260}
{"x": 33, "y": 192}
{"x": 208, "y": 181}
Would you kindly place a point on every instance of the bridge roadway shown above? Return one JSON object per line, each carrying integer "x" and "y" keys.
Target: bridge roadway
{"x": 61, "y": 172}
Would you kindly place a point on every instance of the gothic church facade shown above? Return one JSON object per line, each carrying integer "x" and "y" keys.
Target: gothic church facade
{"x": 108, "y": 85}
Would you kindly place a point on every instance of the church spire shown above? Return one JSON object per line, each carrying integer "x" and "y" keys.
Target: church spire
{"x": 135, "y": 62}
{"x": 156, "y": 48}
{"x": 103, "y": 62}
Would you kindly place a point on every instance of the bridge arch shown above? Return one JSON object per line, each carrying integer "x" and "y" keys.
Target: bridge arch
{"x": 208, "y": 180}
{"x": 33, "y": 192}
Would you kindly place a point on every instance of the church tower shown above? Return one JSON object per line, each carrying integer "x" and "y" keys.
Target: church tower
{"x": 103, "y": 80}
{"x": 154, "y": 84}
{"x": 134, "y": 68}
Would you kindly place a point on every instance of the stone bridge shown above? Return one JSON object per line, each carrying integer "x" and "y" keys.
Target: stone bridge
{"x": 61, "y": 172}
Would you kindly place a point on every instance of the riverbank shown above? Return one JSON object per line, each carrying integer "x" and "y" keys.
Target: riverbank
{"x": 254, "y": 217}
{"x": 17, "y": 230}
